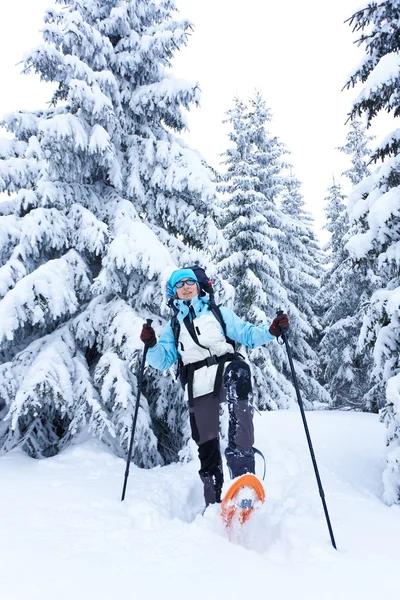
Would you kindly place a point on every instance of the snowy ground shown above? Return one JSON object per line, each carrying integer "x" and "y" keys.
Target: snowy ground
{"x": 66, "y": 535}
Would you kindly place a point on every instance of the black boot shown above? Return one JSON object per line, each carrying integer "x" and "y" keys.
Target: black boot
{"x": 212, "y": 488}
{"x": 240, "y": 461}
{"x": 211, "y": 472}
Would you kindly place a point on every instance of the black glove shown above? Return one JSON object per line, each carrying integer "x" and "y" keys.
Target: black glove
{"x": 148, "y": 336}
{"x": 281, "y": 322}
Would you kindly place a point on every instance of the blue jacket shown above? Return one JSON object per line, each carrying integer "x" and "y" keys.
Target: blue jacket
{"x": 165, "y": 353}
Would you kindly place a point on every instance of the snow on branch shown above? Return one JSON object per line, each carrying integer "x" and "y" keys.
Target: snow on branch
{"x": 75, "y": 68}
{"x": 113, "y": 325}
{"x": 11, "y": 148}
{"x": 24, "y": 124}
{"x": 384, "y": 74}
{"x": 90, "y": 98}
{"x": 117, "y": 387}
{"x": 360, "y": 245}
{"x": 158, "y": 97}
{"x": 65, "y": 127}
{"x": 63, "y": 195}
{"x": 43, "y": 231}
{"x": 134, "y": 249}
{"x": 392, "y": 255}
{"x": 123, "y": 334}
{"x": 87, "y": 233}
{"x": 10, "y": 234}
{"x": 135, "y": 245}
{"x": 164, "y": 40}
{"x": 51, "y": 292}
{"x": 16, "y": 173}
{"x": 116, "y": 381}
{"x": 51, "y": 376}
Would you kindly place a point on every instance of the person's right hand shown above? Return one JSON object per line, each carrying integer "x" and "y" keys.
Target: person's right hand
{"x": 148, "y": 336}
{"x": 279, "y": 323}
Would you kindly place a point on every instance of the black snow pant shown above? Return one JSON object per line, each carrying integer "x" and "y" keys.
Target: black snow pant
{"x": 204, "y": 421}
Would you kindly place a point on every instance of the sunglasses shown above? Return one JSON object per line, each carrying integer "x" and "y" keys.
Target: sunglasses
{"x": 180, "y": 284}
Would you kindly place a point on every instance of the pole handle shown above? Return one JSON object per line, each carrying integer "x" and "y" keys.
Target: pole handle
{"x": 279, "y": 313}
{"x": 148, "y": 323}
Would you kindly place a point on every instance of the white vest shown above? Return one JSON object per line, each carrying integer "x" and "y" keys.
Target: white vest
{"x": 210, "y": 335}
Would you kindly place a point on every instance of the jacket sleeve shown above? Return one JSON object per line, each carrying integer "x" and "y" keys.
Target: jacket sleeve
{"x": 164, "y": 354}
{"x": 245, "y": 333}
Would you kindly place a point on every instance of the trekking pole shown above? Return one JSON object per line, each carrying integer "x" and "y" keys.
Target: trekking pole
{"x": 300, "y": 402}
{"x": 135, "y": 416}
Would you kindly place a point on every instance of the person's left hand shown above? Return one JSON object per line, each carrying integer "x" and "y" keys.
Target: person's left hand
{"x": 148, "y": 336}
{"x": 281, "y": 322}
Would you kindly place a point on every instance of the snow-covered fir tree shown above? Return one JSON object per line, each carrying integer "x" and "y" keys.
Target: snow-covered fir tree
{"x": 100, "y": 187}
{"x": 344, "y": 292}
{"x": 250, "y": 259}
{"x": 337, "y": 222}
{"x": 375, "y": 209}
{"x": 334, "y": 354}
{"x": 301, "y": 268}
{"x": 254, "y": 228}
{"x": 356, "y": 147}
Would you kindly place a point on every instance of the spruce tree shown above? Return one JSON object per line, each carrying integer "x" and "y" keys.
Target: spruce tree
{"x": 336, "y": 221}
{"x": 376, "y": 212}
{"x": 250, "y": 258}
{"x": 356, "y": 147}
{"x": 345, "y": 291}
{"x": 333, "y": 360}
{"x": 105, "y": 200}
{"x": 254, "y": 227}
{"x": 301, "y": 267}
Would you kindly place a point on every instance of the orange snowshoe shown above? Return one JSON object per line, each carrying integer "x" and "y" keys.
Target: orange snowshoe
{"x": 245, "y": 494}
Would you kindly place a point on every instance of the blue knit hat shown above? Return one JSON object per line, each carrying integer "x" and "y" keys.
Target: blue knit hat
{"x": 177, "y": 276}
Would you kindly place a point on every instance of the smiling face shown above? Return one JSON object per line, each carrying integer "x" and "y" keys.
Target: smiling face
{"x": 187, "y": 292}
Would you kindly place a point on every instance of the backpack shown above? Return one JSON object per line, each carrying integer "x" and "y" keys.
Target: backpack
{"x": 205, "y": 282}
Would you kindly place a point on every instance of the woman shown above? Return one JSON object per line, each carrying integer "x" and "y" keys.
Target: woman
{"x": 213, "y": 373}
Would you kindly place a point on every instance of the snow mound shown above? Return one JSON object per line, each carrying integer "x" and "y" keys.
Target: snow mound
{"x": 66, "y": 534}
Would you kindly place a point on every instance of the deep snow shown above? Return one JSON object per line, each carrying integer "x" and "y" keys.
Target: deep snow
{"x": 65, "y": 534}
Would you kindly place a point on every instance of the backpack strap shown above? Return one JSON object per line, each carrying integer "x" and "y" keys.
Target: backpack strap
{"x": 176, "y": 329}
{"x": 216, "y": 311}
{"x": 207, "y": 362}
{"x": 190, "y": 327}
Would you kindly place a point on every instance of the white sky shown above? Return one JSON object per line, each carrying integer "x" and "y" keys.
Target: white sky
{"x": 298, "y": 54}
